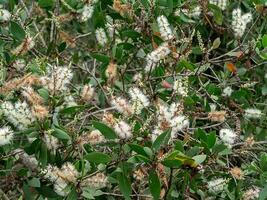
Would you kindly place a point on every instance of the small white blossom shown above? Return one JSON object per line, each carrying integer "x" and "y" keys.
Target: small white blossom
{"x": 69, "y": 173}
{"x": 253, "y": 113}
{"x": 194, "y": 13}
{"x": 178, "y": 123}
{"x": 19, "y": 64}
{"x": 88, "y": 92}
{"x": 251, "y": 194}
{"x": 58, "y": 79}
{"x": 239, "y": 22}
{"x": 95, "y": 137}
{"x": 181, "y": 86}
{"x": 4, "y": 15}
{"x": 138, "y": 100}
{"x": 164, "y": 28}
{"x": 97, "y": 181}
{"x": 155, "y": 56}
{"x": 28, "y": 160}
{"x": 18, "y": 114}
{"x": 170, "y": 117}
{"x": 26, "y": 45}
{"x": 6, "y": 135}
{"x": 122, "y": 105}
{"x": 213, "y": 107}
{"x": 51, "y": 142}
{"x": 61, "y": 177}
{"x": 69, "y": 101}
{"x": 87, "y": 12}
{"x": 123, "y": 130}
{"x": 52, "y": 174}
{"x": 227, "y": 91}
{"x": 110, "y": 26}
{"x": 228, "y": 136}
{"x": 249, "y": 84}
{"x": 138, "y": 77}
{"x": 222, "y": 4}
{"x": 217, "y": 185}
{"x": 101, "y": 36}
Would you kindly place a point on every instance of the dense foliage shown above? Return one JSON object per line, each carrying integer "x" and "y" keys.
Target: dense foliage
{"x": 133, "y": 99}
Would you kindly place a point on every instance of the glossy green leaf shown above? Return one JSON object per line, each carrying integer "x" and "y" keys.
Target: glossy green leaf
{"x": 17, "y": 31}
{"x": 138, "y": 149}
{"x": 130, "y": 33}
{"x": 154, "y": 184}
{"x": 124, "y": 185}
{"x": 34, "y": 182}
{"x": 199, "y": 159}
{"x": 46, "y": 3}
{"x": 263, "y": 193}
{"x": 218, "y": 16}
{"x": 60, "y": 134}
{"x": 72, "y": 110}
{"x": 97, "y": 157}
{"x": 162, "y": 139}
{"x": 100, "y": 57}
{"x": 108, "y": 132}
{"x": 264, "y": 40}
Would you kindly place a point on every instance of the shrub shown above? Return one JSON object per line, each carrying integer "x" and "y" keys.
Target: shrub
{"x": 133, "y": 99}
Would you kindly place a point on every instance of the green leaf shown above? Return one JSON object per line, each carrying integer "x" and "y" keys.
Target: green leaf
{"x": 263, "y": 193}
{"x": 263, "y": 161}
{"x": 72, "y": 195}
{"x": 264, "y": 90}
{"x": 46, "y": 3}
{"x": 17, "y": 31}
{"x": 264, "y": 41}
{"x": 88, "y": 193}
{"x": 200, "y": 159}
{"x": 161, "y": 140}
{"x": 43, "y": 154}
{"x": 145, "y": 3}
{"x": 211, "y": 139}
{"x": 108, "y": 132}
{"x": 100, "y": 57}
{"x": 172, "y": 163}
{"x": 170, "y": 5}
{"x": 182, "y": 159}
{"x": 34, "y": 182}
{"x": 97, "y": 157}
{"x": 44, "y": 93}
{"x": 186, "y": 19}
{"x": 72, "y": 109}
{"x": 149, "y": 152}
{"x": 60, "y": 134}
{"x": 46, "y": 192}
{"x": 179, "y": 145}
{"x": 124, "y": 185}
{"x": 216, "y": 43}
{"x": 187, "y": 65}
{"x": 142, "y": 158}
{"x": 138, "y": 149}
{"x": 130, "y": 33}
{"x": 91, "y": 193}
{"x": 26, "y": 192}
{"x": 117, "y": 52}
{"x": 217, "y": 13}
{"x": 154, "y": 184}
